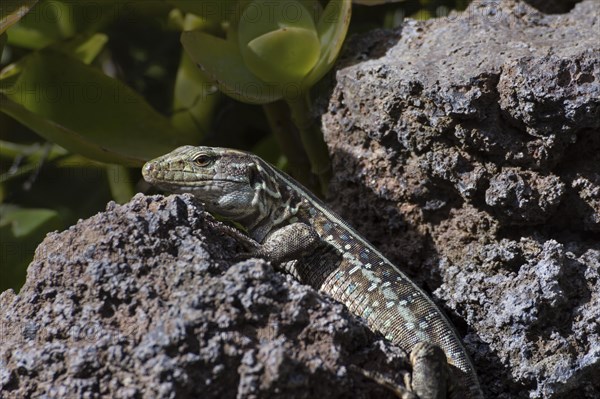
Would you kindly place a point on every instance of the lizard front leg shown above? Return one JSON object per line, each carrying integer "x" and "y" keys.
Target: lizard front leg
{"x": 431, "y": 377}
{"x": 290, "y": 242}
{"x": 282, "y": 246}
{"x": 286, "y": 246}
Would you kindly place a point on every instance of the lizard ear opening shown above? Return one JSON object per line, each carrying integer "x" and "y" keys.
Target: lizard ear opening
{"x": 253, "y": 175}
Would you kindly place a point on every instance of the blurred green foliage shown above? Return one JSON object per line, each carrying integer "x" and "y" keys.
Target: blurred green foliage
{"x": 89, "y": 90}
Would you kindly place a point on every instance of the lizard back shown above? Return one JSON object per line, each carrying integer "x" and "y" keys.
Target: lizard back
{"x": 289, "y": 225}
{"x": 349, "y": 269}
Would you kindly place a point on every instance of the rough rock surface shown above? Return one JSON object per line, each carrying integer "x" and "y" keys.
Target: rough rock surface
{"x": 468, "y": 149}
{"x": 144, "y": 301}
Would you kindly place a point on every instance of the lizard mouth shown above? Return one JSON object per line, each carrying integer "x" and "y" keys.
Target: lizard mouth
{"x": 181, "y": 177}
{"x": 185, "y": 181}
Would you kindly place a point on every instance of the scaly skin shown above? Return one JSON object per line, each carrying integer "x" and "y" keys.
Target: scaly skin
{"x": 289, "y": 226}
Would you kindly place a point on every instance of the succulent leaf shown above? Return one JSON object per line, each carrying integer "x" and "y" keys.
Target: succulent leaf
{"x": 274, "y": 49}
{"x": 278, "y": 41}
{"x": 221, "y": 60}
{"x": 332, "y": 28}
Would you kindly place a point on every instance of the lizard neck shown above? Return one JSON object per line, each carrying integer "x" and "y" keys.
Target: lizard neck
{"x": 273, "y": 204}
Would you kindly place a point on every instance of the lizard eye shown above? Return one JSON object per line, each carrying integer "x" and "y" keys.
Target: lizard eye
{"x": 203, "y": 160}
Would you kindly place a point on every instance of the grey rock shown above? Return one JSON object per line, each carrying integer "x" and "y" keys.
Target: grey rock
{"x": 145, "y": 301}
{"x": 468, "y": 149}
{"x": 524, "y": 196}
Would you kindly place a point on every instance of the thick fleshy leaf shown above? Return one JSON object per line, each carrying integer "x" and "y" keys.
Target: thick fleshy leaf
{"x": 195, "y": 96}
{"x": 375, "y": 2}
{"x": 284, "y": 55}
{"x": 221, "y": 60}
{"x": 120, "y": 183}
{"x": 86, "y": 112}
{"x": 34, "y": 150}
{"x": 2, "y": 42}
{"x": 24, "y": 221}
{"x": 11, "y": 11}
{"x": 84, "y": 47}
{"x": 52, "y": 21}
{"x": 332, "y": 28}
{"x": 211, "y": 10}
{"x": 314, "y": 7}
{"x": 30, "y": 156}
{"x": 21, "y": 230}
{"x": 46, "y": 24}
{"x": 194, "y": 99}
{"x": 177, "y": 20}
{"x": 278, "y": 41}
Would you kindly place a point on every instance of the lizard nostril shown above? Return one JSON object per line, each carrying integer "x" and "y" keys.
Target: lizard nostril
{"x": 147, "y": 169}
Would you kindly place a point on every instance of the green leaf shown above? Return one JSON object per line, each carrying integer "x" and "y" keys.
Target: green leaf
{"x": 49, "y": 22}
{"x": 332, "y": 28}
{"x": 194, "y": 100}
{"x": 24, "y": 222}
{"x": 221, "y": 60}
{"x": 120, "y": 183}
{"x": 52, "y": 21}
{"x": 374, "y": 2}
{"x": 281, "y": 56}
{"x": 86, "y": 112}
{"x": 21, "y": 230}
{"x": 195, "y": 96}
{"x": 2, "y": 42}
{"x": 314, "y": 7}
{"x": 31, "y": 157}
{"x": 84, "y": 47}
{"x": 11, "y": 11}
{"x": 278, "y": 41}
{"x": 214, "y": 11}
{"x": 32, "y": 151}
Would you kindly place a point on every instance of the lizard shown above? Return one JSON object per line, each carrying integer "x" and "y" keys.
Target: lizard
{"x": 289, "y": 226}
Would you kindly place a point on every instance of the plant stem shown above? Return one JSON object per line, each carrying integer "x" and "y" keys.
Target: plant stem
{"x": 312, "y": 139}
{"x": 288, "y": 139}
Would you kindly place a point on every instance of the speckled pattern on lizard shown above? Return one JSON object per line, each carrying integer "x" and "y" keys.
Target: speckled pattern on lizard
{"x": 300, "y": 235}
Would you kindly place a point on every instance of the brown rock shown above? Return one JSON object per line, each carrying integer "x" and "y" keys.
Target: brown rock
{"x": 468, "y": 149}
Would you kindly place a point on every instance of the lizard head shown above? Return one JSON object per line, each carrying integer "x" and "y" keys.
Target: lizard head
{"x": 222, "y": 178}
